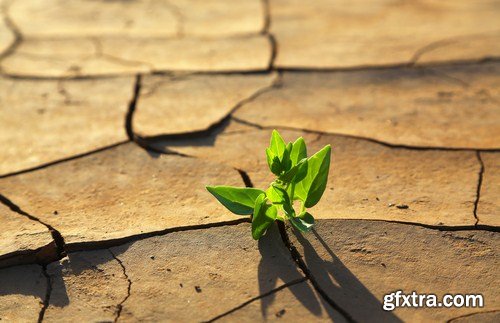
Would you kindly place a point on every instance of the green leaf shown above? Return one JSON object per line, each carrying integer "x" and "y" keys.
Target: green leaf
{"x": 274, "y": 162}
{"x": 311, "y": 188}
{"x": 299, "y": 151}
{"x": 277, "y": 145}
{"x": 286, "y": 163}
{"x": 239, "y": 200}
{"x": 263, "y": 216}
{"x": 296, "y": 173}
{"x": 303, "y": 222}
{"x": 284, "y": 200}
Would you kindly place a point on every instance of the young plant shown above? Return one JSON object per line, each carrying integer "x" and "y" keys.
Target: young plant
{"x": 299, "y": 179}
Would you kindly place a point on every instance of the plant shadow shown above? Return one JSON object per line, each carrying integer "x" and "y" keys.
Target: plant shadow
{"x": 340, "y": 284}
{"x": 276, "y": 265}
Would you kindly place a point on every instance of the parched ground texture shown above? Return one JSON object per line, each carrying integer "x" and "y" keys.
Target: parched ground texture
{"x": 114, "y": 115}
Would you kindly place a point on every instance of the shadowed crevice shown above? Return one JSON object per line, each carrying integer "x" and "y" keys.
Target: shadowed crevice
{"x": 275, "y": 290}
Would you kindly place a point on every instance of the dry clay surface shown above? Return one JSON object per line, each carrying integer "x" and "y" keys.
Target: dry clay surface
{"x": 357, "y": 262}
{"x": 367, "y": 180}
{"x": 230, "y": 269}
{"x": 114, "y": 115}
{"x": 57, "y": 38}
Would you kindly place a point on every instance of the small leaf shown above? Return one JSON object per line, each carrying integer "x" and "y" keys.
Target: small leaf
{"x": 263, "y": 216}
{"x": 303, "y": 222}
{"x": 286, "y": 163}
{"x": 285, "y": 200}
{"x": 274, "y": 162}
{"x": 299, "y": 151}
{"x": 311, "y": 188}
{"x": 277, "y": 144}
{"x": 303, "y": 165}
{"x": 239, "y": 200}
{"x": 296, "y": 173}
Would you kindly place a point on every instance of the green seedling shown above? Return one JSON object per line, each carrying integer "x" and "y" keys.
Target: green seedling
{"x": 298, "y": 179}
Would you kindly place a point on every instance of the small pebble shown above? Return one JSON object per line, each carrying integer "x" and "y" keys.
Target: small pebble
{"x": 198, "y": 289}
{"x": 402, "y": 206}
{"x": 280, "y": 313}
{"x": 152, "y": 257}
{"x": 56, "y": 213}
{"x": 391, "y": 204}
{"x": 181, "y": 285}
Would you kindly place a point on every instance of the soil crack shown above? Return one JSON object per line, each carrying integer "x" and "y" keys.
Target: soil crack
{"x": 119, "y": 307}
{"x": 266, "y": 31}
{"x": 48, "y": 293}
{"x": 60, "y": 247}
{"x": 213, "y": 129}
{"x": 302, "y": 265}
{"x": 479, "y": 185}
{"x": 275, "y": 290}
{"x": 383, "y": 143}
{"x": 13, "y": 28}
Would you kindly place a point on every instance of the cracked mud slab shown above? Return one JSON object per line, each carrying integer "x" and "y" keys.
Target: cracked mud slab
{"x": 177, "y": 104}
{"x": 357, "y": 262}
{"x": 348, "y": 33}
{"x": 121, "y": 192}
{"x": 488, "y": 209}
{"x": 193, "y": 275}
{"x": 86, "y": 286}
{"x": 42, "y": 121}
{"x": 299, "y": 303}
{"x": 144, "y": 18}
{"x": 22, "y": 239}
{"x": 367, "y": 180}
{"x": 118, "y": 55}
{"x": 199, "y": 274}
{"x": 82, "y": 38}
{"x": 22, "y": 292}
{"x": 453, "y": 107}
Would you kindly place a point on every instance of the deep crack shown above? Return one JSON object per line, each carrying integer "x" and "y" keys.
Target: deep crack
{"x": 244, "y": 176}
{"x": 275, "y": 290}
{"x": 60, "y": 247}
{"x": 213, "y": 129}
{"x": 48, "y": 293}
{"x": 479, "y": 185}
{"x": 132, "y": 106}
{"x": 302, "y": 265}
{"x": 119, "y": 307}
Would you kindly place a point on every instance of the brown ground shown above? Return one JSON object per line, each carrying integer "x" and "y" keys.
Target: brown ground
{"x": 114, "y": 115}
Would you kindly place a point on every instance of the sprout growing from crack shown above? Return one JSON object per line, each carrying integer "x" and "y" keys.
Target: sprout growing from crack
{"x": 299, "y": 178}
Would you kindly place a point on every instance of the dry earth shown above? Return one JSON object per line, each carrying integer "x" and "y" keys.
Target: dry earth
{"x": 114, "y": 115}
